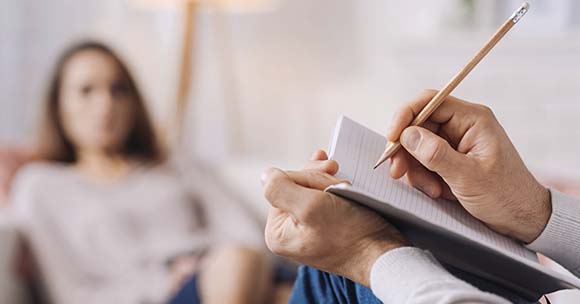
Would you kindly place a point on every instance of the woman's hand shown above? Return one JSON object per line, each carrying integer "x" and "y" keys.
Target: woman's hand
{"x": 182, "y": 269}
{"x": 462, "y": 153}
{"x": 320, "y": 229}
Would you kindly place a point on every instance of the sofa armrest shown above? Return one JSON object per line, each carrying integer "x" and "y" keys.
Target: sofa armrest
{"x": 11, "y": 290}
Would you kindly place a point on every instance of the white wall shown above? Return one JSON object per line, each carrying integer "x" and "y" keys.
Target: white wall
{"x": 270, "y": 85}
{"x": 297, "y": 68}
{"x": 34, "y": 33}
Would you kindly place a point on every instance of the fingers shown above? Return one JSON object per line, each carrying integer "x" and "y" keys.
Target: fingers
{"x": 433, "y": 152}
{"x": 401, "y": 162}
{"x": 319, "y": 162}
{"x": 314, "y": 180}
{"x": 419, "y": 177}
{"x": 447, "y": 193}
{"x": 296, "y": 192}
{"x": 405, "y": 115}
{"x": 454, "y": 112}
{"x": 325, "y": 166}
{"x": 283, "y": 193}
{"x": 319, "y": 155}
{"x": 424, "y": 180}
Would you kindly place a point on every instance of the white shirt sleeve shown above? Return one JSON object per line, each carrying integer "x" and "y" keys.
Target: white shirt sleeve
{"x": 412, "y": 275}
{"x": 560, "y": 240}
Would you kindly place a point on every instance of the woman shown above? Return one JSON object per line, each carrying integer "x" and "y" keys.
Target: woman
{"x": 107, "y": 219}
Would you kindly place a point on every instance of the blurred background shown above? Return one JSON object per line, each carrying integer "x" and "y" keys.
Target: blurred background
{"x": 265, "y": 80}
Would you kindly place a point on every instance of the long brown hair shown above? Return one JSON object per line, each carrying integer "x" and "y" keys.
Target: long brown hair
{"x": 54, "y": 145}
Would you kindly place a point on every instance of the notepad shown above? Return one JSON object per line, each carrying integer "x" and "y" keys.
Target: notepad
{"x": 435, "y": 224}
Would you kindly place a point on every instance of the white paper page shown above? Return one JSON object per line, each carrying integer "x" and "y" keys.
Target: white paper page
{"x": 357, "y": 149}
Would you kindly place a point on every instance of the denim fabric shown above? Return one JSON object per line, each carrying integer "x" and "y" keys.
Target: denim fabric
{"x": 318, "y": 287}
{"x": 189, "y": 293}
{"x": 315, "y": 286}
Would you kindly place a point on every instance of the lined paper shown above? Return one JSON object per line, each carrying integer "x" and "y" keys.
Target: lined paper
{"x": 356, "y": 150}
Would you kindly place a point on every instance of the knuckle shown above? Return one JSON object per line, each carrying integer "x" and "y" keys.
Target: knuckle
{"x": 322, "y": 166}
{"x": 319, "y": 179}
{"x": 429, "y": 93}
{"x": 272, "y": 185}
{"x": 485, "y": 111}
{"x": 268, "y": 189}
{"x": 331, "y": 166}
{"x": 326, "y": 176}
{"x": 269, "y": 192}
{"x": 487, "y": 116}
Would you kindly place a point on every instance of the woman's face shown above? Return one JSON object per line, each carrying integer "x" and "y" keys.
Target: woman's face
{"x": 95, "y": 104}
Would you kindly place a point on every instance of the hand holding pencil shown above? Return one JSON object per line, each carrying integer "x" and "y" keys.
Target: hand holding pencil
{"x": 461, "y": 152}
{"x": 423, "y": 115}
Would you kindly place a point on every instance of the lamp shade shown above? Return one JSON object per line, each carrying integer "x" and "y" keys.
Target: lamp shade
{"x": 240, "y": 6}
{"x": 157, "y": 4}
{"x": 233, "y": 6}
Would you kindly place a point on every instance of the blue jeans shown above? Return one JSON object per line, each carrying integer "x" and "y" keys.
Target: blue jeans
{"x": 315, "y": 286}
{"x": 189, "y": 292}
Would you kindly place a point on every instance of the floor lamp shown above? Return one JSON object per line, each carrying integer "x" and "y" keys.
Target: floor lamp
{"x": 186, "y": 68}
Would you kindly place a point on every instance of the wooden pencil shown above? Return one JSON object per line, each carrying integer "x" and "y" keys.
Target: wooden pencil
{"x": 437, "y": 100}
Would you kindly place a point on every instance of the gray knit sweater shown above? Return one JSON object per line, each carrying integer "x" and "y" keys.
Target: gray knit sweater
{"x": 110, "y": 243}
{"x": 411, "y": 275}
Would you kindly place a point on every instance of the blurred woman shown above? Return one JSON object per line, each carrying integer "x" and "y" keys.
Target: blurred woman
{"x": 107, "y": 219}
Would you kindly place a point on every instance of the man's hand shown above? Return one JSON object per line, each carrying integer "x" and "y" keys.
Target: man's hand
{"x": 320, "y": 229}
{"x": 463, "y": 153}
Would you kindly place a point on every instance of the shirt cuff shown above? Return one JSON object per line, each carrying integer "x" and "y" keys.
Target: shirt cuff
{"x": 400, "y": 272}
{"x": 560, "y": 240}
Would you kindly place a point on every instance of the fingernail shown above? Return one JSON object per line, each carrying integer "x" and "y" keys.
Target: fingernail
{"x": 263, "y": 178}
{"x": 410, "y": 139}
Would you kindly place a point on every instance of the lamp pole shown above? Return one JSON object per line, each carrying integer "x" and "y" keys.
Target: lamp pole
{"x": 185, "y": 66}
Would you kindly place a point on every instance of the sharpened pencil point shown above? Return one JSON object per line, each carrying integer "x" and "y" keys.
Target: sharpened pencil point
{"x": 389, "y": 151}
{"x": 381, "y": 161}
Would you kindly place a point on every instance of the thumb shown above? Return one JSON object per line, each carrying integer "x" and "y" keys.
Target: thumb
{"x": 432, "y": 151}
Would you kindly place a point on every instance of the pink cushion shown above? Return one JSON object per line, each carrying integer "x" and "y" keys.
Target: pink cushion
{"x": 568, "y": 186}
{"x": 11, "y": 159}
